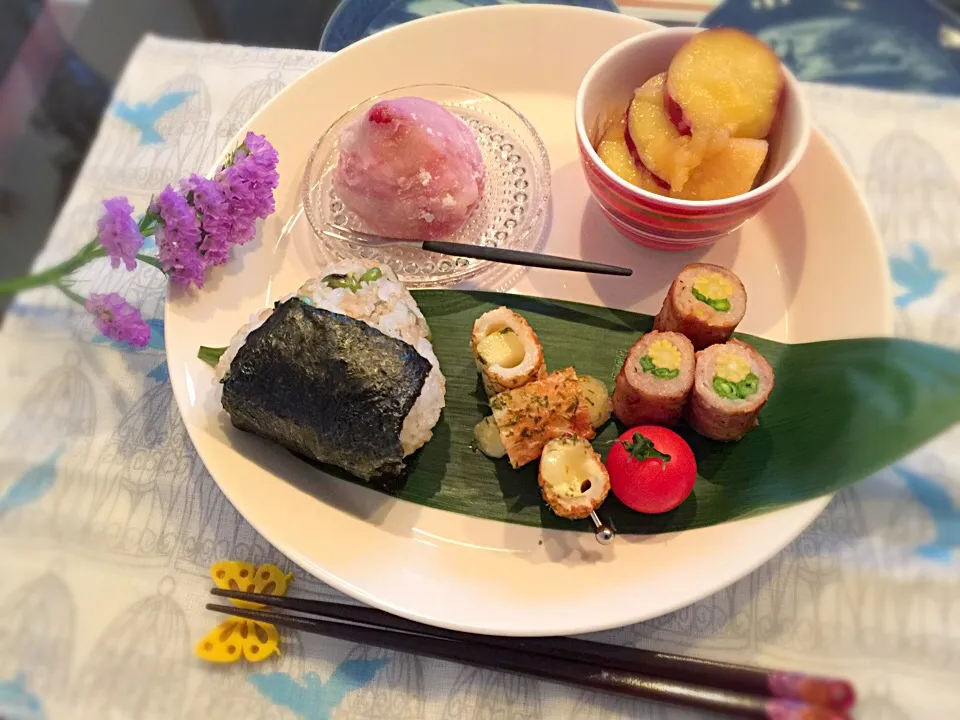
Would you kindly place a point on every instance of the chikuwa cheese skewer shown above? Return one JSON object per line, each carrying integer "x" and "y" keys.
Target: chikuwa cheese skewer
{"x": 733, "y": 383}
{"x": 654, "y": 383}
{"x": 573, "y": 479}
{"x": 604, "y": 533}
{"x": 705, "y": 302}
{"x": 506, "y": 350}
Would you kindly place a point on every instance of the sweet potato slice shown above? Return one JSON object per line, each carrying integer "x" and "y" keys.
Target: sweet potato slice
{"x": 724, "y": 83}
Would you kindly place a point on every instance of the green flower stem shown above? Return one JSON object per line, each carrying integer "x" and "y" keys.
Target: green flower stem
{"x": 88, "y": 252}
{"x": 148, "y": 223}
{"x": 79, "y": 299}
{"x": 52, "y": 276}
{"x": 150, "y": 260}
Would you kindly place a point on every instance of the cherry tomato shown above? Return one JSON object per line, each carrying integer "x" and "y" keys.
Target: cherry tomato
{"x": 652, "y": 469}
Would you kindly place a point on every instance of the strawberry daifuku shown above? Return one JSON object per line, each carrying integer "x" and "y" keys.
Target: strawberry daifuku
{"x": 410, "y": 169}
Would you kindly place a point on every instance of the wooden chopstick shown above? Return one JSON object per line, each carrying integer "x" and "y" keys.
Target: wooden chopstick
{"x": 579, "y": 662}
{"x": 481, "y": 252}
{"x": 570, "y": 672}
{"x": 830, "y": 692}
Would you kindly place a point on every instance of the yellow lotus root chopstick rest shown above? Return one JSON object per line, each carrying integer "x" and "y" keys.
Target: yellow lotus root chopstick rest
{"x": 236, "y": 637}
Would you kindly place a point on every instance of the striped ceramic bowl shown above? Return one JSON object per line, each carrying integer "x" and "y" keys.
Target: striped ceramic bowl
{"x": 652, "y": 220}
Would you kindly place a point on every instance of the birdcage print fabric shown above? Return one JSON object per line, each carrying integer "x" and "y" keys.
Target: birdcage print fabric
{"x": 110, "y": 524}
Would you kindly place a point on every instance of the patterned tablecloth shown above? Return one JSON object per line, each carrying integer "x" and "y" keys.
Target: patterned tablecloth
{"x": 109, "y": 521}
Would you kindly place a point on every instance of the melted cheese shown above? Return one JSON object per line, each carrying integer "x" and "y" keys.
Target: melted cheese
{"x": 568, "y": 467}
{"x": 503, "y": 348}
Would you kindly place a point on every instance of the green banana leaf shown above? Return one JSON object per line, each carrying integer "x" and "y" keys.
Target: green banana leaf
{"x": 840, "y": 410}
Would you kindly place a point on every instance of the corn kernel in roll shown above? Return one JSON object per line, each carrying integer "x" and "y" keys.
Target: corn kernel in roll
{"x": 573, "y": 479}
{"x": 705, "y": 302}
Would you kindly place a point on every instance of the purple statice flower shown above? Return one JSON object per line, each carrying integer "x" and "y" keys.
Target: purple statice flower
{"x": 248, "y": 182}
{"x": 216, "y": 224}
{"x": 204, "y": 194}
{"x": 119, "y": 234}
{"x": 118, "y": 319}
{"x": 178, "y": 239}
{"x": 248, "y": 190}
{"x": 262, "y": 152}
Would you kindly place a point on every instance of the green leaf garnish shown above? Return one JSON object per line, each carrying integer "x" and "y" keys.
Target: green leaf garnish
{"x": 719, "y": 304}
{"x": 210, "y": 355}
{"x": 647, "y": 364}
{"x": 642, "y": 449}
{"x": 666, "y": 373}
{"x": 893, "y": 394}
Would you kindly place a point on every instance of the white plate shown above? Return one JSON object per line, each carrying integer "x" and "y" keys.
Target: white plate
{"x": 812, "y": 263}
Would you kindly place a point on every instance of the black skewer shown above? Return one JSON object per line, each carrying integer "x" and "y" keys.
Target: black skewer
{"x": 520, "y": 257}
{"x": 480, "y": 252}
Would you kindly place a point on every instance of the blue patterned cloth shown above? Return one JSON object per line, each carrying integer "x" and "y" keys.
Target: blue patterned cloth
{"x": 356, "y": 19}
{"x": 883, "y": 44}
{"x": 109, "y": 521}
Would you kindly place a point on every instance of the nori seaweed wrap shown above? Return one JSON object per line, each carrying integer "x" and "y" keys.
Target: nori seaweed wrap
{"x": 328, "y": 387}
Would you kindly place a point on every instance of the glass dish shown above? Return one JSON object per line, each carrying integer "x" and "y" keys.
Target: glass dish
{"x": 512, "y": 213}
